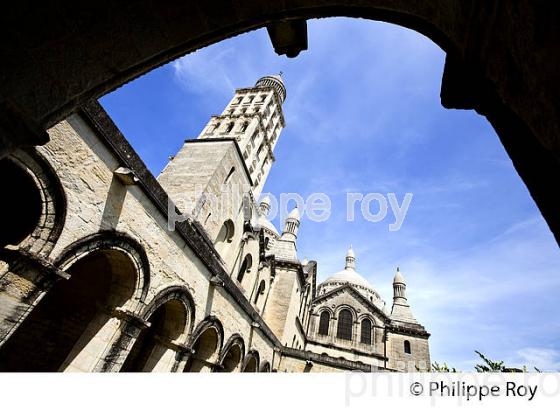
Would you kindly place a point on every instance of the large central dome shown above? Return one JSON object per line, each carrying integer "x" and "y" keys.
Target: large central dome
{"x": 349, "y": 274}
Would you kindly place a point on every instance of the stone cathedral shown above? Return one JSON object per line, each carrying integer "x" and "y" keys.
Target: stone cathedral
{"x": 106, "y": 268}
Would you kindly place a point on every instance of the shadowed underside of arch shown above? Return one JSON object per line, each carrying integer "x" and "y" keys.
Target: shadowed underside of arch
{"x": 502, "y": 60}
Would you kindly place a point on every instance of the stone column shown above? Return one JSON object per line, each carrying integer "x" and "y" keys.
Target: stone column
{"x": 181, "y": 359}
{"x": 129, "y": 329}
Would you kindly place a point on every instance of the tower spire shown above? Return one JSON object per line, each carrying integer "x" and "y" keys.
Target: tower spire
{"x": 350, "y": 259}
{"x": 401, "y": 310}
{"x": 291, "y": 225}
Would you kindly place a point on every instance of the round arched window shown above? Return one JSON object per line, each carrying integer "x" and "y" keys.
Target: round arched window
{"x": 365, "y": 333}
{"x": 344, "y": 328}
{"x": 324, "y": 321}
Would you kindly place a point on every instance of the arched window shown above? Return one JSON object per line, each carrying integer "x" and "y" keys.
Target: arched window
{"x": 260, "y": 291}
{"x": 245, "y": 267}
{"x": 244, "y": 126}
{"x": 407, "y": 347}
{"x": 324, "y": 323}
{"x": 344, "y": 328}
{"x": 226, "y": 232}
{"x": 365, "y": 336}
{"x": 229, "y": 127}
{"x": 216, "y": 126}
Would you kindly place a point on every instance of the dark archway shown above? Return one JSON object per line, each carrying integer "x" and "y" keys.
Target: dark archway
{"x": 152, "y": 349}
{"x": 33, "y": 209}
{"x": 502, "y": 61}
{"x": 251, "y": 362}
{"x": 204, "y": 349}
{"x": 65, "y": 329}
{"x": 206, "y": 346}
{"x": 324, "y": 323}
{"x": 345, "y": 324}
{"x": 365, "y": 331}
{"x": 232, "y": 355}
{"x": 21, "y": 208}
{"x": 265, "y": 367}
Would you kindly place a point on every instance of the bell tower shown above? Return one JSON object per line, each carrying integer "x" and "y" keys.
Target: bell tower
{"x": 254, "y": 118}
{"x": 229, "y": 159}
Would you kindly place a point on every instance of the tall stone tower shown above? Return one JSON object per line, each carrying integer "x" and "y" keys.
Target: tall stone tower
{"x": 231, "y": 158}
{"x": 255, "y": 120}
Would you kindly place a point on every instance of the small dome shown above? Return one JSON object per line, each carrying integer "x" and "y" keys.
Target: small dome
{"x": 294, "y": 214}
{"x": 398, "y": 277}
{"x": 274, "y": 81}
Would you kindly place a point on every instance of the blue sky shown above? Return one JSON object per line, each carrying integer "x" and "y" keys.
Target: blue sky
{"x": 363, "y": 114}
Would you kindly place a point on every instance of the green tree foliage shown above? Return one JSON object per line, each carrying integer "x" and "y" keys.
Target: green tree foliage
{"x": 486, "y": 366}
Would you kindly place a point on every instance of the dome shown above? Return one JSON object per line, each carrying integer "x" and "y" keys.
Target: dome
{"x": 398, "y": 277}
{"x": 349, "y": 274}
{"x": 274, "y": 81}
{"x": 294, "y": 214}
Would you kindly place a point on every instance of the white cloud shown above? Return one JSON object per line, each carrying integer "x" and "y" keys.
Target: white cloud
{"x": 544, "y": 359}
{"x": 205, "y": 71}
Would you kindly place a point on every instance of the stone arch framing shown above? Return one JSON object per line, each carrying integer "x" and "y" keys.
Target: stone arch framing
{"x": 339, "y": 308}
{"x": 265, "y": 367}
{"x": 174, "y": 292}
{"x": 124, "y": 343}
{"x": 207, "y": 323}
{"x": 118, "y": 241}
{"x": 234, "y": 340}
{"x": 501, "y": 61}
{"x": 324, "y": 308}
{"x": 369, "y": 316}
{"x": 42, "y": 239}
{"x": 317, "y": 321}
{"x": 251, "y": 355}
